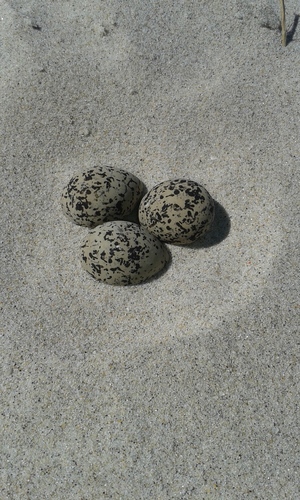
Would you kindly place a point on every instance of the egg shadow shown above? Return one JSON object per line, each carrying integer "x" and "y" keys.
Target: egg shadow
{"x": 134, "y": 215}
{"x": 158, "y": 275}
{"x": 218, "y": 232}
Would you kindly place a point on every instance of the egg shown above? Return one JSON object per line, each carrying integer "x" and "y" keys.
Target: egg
{"x": 100, "y": 194}
{"x": 177, "y": 211}
{"x": 122, "y": 253}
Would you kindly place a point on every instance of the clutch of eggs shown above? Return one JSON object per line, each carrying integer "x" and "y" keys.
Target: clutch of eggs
{"x": 177, "y": 211}
{"x": 100, "y": 194}
{"x": 119, "y": 252}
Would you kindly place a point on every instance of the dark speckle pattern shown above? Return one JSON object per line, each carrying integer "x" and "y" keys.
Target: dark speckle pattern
{"x": 100, "y": 194}
{"x": 177, "y": 211}
{"x": 122, "y": 253}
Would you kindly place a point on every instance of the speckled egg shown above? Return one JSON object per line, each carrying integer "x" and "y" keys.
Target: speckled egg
{"x": 177, "y": 211}
{"x": 122, "y": 253}
{"x": 101, "y": 194}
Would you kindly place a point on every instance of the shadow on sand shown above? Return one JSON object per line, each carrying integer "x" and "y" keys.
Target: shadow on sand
{"x": 219, "y": 231}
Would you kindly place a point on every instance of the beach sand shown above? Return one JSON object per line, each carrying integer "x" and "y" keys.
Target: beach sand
{"x": 186, "y": 386}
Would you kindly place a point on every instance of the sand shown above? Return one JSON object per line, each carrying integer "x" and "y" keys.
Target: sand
{"x": 186, "y": 386}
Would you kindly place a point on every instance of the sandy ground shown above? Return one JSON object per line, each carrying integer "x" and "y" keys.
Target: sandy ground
{"x": 186, "y": 386}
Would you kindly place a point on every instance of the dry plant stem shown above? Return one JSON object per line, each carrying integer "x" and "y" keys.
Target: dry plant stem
{"x": 283, "y": 25}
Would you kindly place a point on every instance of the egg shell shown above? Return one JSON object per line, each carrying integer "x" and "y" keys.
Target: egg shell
{"x": 122, "y": 253}
{"x": 100, "y": 194}
{"x": 177, "y": 211}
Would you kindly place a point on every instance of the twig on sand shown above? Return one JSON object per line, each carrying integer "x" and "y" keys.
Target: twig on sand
{"x": 283, "y": 25}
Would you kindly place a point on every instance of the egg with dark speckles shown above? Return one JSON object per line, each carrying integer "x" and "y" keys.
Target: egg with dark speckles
{"x": 177, "y": 211}
{"x": 101, "y": 194}
{"x": 122, "y": 253}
